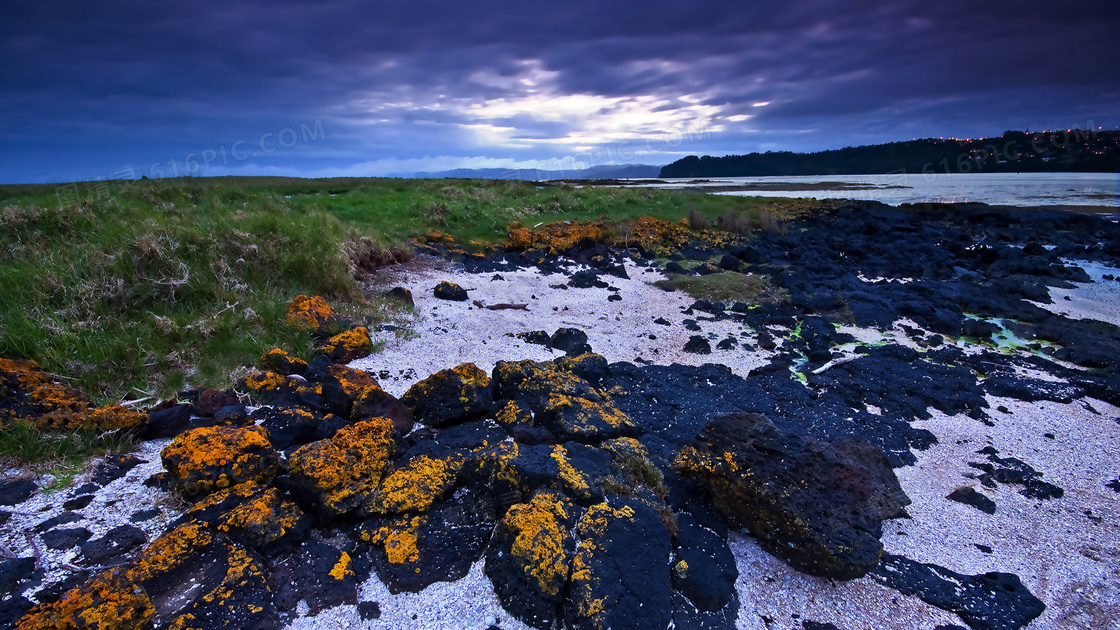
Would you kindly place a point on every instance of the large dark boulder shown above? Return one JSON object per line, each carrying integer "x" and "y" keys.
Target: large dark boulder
{"x": 451, "y": 396}
{"x": 620, "y": 575}
{"x": 530, "y": 557}
{"x": 817, "y": 506}
{"x": 412, "y": 552}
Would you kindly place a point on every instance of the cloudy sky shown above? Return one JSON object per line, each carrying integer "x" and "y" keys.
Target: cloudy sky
{"x": 341, "y": 87}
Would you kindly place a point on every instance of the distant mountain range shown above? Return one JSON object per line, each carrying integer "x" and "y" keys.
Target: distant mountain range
{"x": 606, "y": 171}
{"x": 1073, "y": 150}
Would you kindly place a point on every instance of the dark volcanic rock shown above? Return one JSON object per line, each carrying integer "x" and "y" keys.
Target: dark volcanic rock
{"x": 698, "y": 345}
{"x": 817, "y": 506}
{"x": 60, "y": 519}
{"x": 322, "y": 576}
{"x": 705, "y": 571}
{"x": 586, "y": 279}
{"x": 290, "y": 426}
{"x": 13, "y": 571}
{"x": 1011, "y": 470}
{"x": 451, "y": 396}
{"x": 114, "y": 467}
{"x": 66, "y": 538}
{"x": 530, "y": 557}
{"x": 620, "y": 574}
{"x": 969, "y": 496}
{"x": 571, "y": 341}
{"x": 169, "y": 422}
{"x": 116, "y": 542}
{"x": 211, "y": 400}
{"x": 438, "y": 546}
{"x": 206, "y": 459}
{"x": 992, "y": 601}
{"x": 78, "y": 502}
{"x": 450, "y": 291}
{"x": 17, "y": 491}
{"x": 686, "y": 616}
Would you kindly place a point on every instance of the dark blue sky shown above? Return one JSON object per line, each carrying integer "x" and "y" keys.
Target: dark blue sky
{"x": 114, "y": 89}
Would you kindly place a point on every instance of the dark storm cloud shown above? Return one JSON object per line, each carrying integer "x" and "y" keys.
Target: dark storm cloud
{"x": 86, "y": 86}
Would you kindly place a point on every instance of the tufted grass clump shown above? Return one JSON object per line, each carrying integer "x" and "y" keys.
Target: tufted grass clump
{"x": 59, "y": 454}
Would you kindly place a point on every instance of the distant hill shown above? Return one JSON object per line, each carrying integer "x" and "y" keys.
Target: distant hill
{"x": 1015, "y": 151}
{"x": 606, "y": 171}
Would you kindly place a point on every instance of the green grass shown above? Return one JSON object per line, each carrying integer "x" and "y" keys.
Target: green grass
{"x": 727, "y": 286}
{"x": 164, "y": 283}
{"x": 61, "y": 455}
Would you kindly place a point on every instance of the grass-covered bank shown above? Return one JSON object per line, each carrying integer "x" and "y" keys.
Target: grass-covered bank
{"x": 162, "y": 283}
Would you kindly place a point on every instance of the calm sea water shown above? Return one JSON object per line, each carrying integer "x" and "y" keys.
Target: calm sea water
{"x": 1009, "y": 189}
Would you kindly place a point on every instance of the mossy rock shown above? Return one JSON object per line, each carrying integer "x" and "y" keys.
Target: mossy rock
{"x": 337, "y": 475}
{"x": 211, "y": 458}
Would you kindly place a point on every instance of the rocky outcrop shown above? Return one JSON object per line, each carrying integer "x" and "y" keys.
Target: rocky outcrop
{"x": 818, "y": 506}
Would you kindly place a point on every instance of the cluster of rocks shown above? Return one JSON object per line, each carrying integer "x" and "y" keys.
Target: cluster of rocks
{"x": 532, "y": 467}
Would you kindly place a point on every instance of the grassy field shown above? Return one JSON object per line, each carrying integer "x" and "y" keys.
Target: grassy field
{"x": 144, "y": 287}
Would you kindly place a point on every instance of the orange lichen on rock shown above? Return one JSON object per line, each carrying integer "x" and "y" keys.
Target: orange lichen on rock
{"x": 276, "y": 360}
{"x": 309, "y": 312}
{"x": 626, "y": 446}
{"x": 107, "y": 418}
{"x": 263, "y": 518}
{"x": 415, "y": 486}
{"x": 27, "y": 394}
{"x": 348, "y": 346}
{"x": 541, "y": 539}
{"x": 342, "y": 471}
{"x": 557, "y": 237}
{"x": 111, "y": 601}
{"x": 573, "y": 480}
{"x": 210, "y": 458}
{"x": 450, "y": 395}
{"x": 512, "y": 413}
{"x": 399, "y": 538}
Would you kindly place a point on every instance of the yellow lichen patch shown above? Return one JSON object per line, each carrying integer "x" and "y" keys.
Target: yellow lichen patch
{"x": 556, "y": 237}
{"x": 350, "y": 381}
{"x": 265, "y": 382}
{"x": 541, "y": 539}
{"x": 171, "y": 551}
{"x": 198, "y": 458}
{"x": 599, "y": 516}
{"x": 400, "y": 543}
{"x": 513, "y": 412}
{"x": 347, "y": 346}
{"x": 572, "y": 478}
{"x": 266, "y": 517}
{"x": 107, "y": 418}
{"x": 626, "y": 446}
{"x": 276, "y": 360}
{"x": 308, "y": 312}
{"x": 108, "y": 602}
{"x": 496, "y": 463}
{"x": 341, "y": 569}
{"x": 681, "y": 568}
{"x": 579, "y": 417}
{"x": 417, "y": 485}
{"x": 342, "y": 471}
